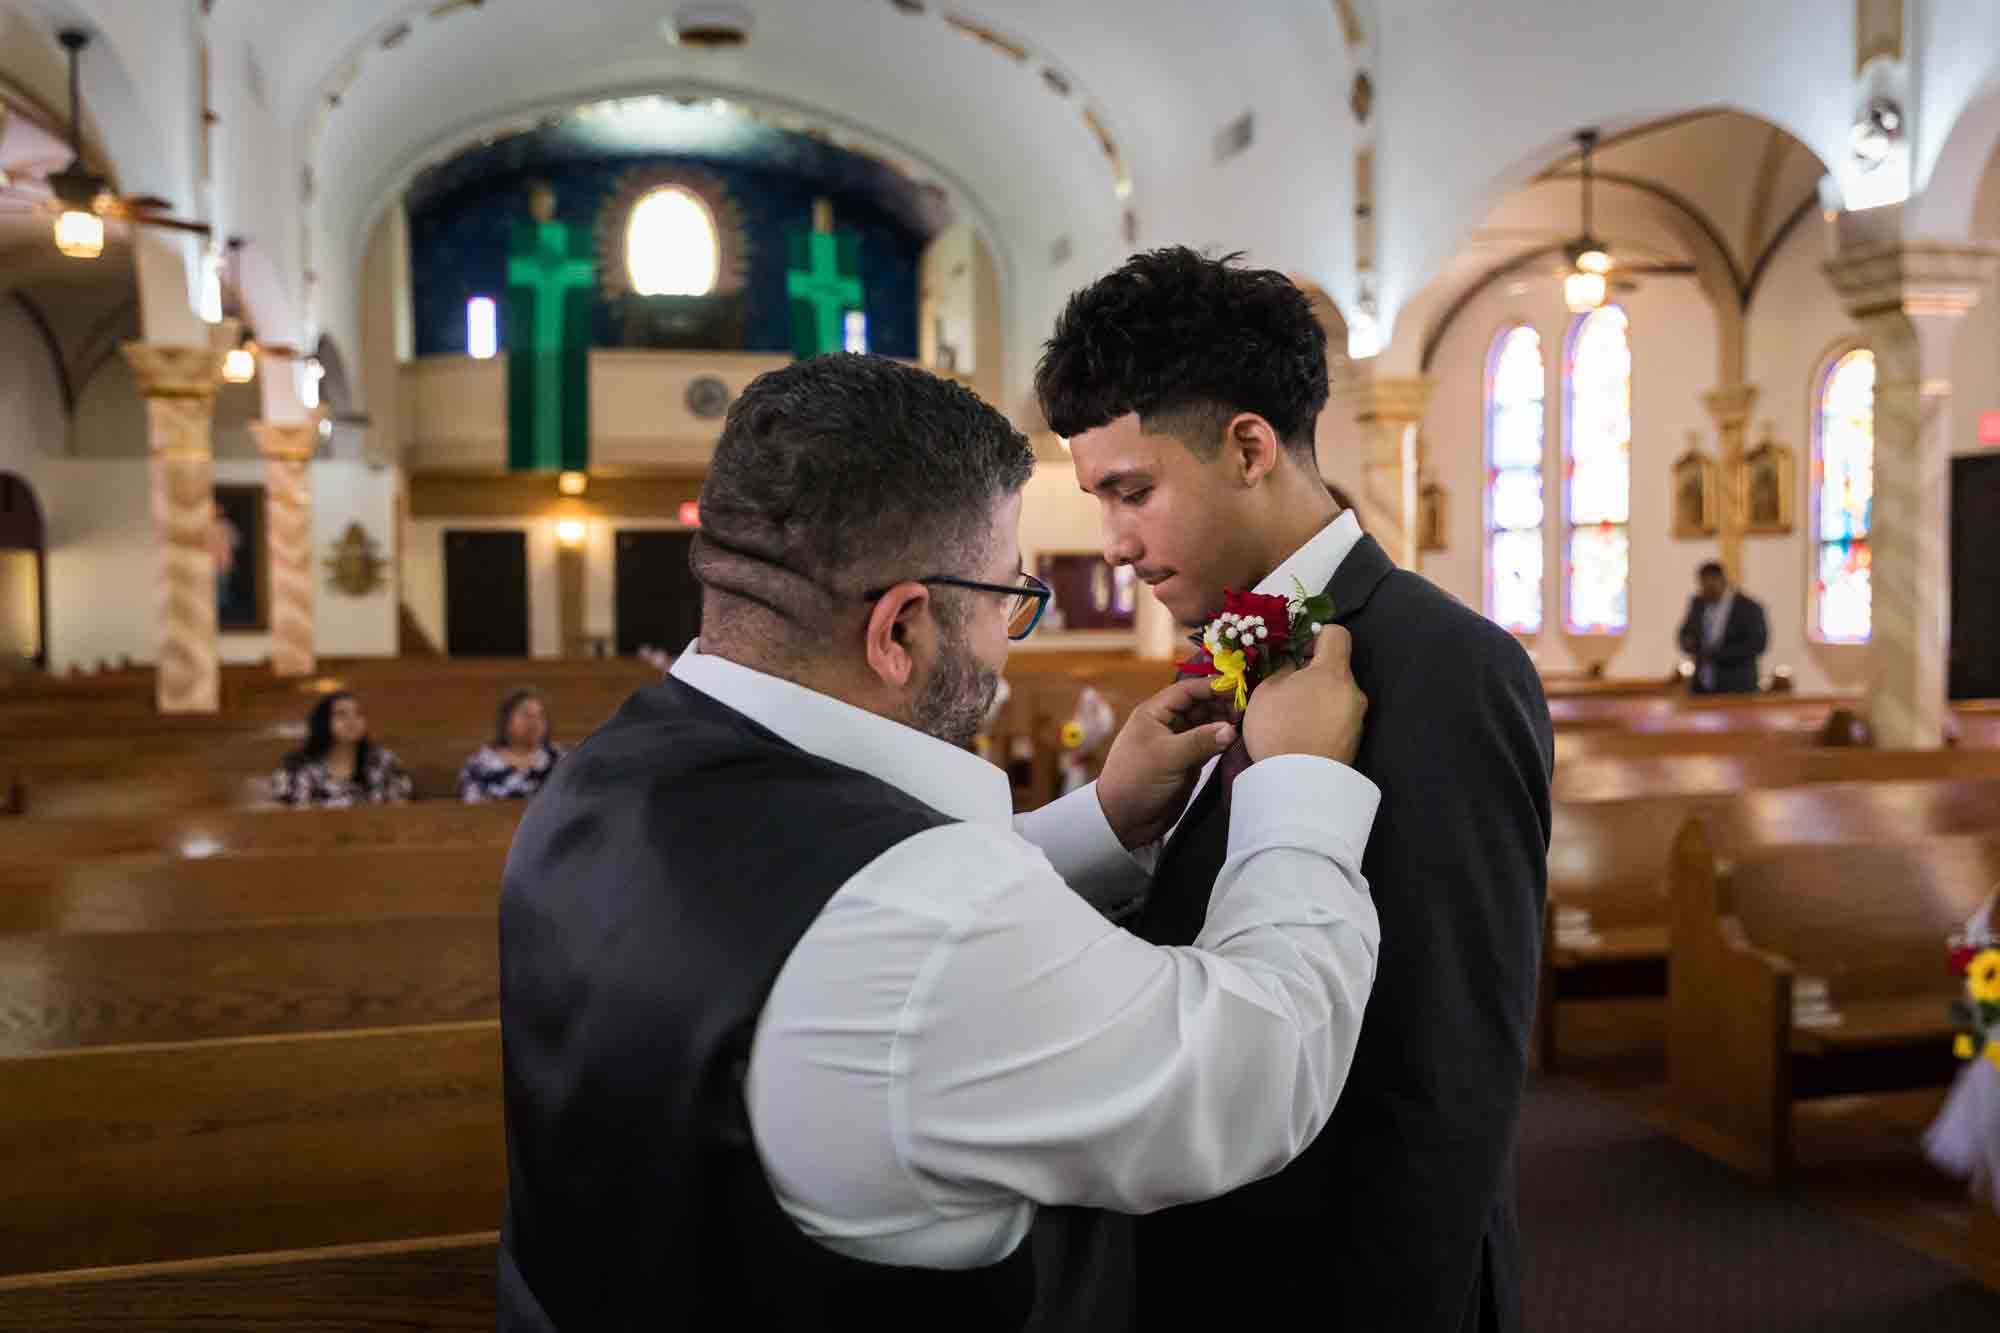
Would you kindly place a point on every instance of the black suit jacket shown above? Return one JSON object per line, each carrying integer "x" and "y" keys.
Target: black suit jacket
{"x": 1401, "y": 1214}
{"x": 1735, "y": 658}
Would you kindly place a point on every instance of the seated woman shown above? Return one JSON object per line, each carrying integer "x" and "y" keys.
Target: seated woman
{"x": 519, "y": 759}
{"x": 339, "y": 765}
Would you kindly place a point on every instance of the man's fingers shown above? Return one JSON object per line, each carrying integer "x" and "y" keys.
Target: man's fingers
{"x": 1332, "y": 648}
{"x": 1182, "y": 703}
{"x": 1202, "y": 744}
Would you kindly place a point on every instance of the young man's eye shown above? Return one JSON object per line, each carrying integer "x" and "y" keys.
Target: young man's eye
{"x": 1137, "y": 497}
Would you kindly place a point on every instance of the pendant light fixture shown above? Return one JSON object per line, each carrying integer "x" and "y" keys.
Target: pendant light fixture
{"x": 1588, "y": 283}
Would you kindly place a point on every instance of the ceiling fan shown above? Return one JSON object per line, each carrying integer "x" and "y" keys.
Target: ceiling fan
{"x": 80, "y": 199}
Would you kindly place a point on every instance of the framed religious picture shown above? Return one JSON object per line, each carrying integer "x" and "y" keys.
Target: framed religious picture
{"x": 1697, "y": 493}
{"x": 1768, "y": 483}
{"x": 1430, "y": 517}
{"x": 239, "y": 545}
{"x": 1089, "y": 594}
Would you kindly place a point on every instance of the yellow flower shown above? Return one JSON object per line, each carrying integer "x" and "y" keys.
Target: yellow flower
{"x": 1072, "y": 736}
{"x": 1961, "y": 1046}
{"x": 1993, "y": 1054}
{"x": 1230, "y": 674}
{"x": 1982, "y": 979}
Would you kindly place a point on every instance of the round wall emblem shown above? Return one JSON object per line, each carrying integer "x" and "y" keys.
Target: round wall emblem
{"x": 707, "y": 397}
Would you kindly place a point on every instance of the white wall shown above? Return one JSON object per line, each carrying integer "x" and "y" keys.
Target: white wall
{"x": 96, "y": 504}
{"x": 1674, "y": 354}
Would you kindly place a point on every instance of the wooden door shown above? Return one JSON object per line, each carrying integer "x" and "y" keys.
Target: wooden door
{"x": 1975, "y": 577}
{"x": 486, "y": 593}
{"x": 658, "y": 600}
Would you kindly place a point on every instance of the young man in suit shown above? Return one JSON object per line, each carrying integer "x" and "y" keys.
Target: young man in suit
{"x": 1189, "y": 389}
{"x": 1724, "y": 633}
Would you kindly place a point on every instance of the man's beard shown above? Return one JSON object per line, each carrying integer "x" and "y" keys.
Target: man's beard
{"x": 954, "y": 701}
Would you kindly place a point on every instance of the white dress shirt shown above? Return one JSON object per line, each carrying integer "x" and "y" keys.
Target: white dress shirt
{"x": 959, "y": 1036}
{"x": 1313, "y": 566}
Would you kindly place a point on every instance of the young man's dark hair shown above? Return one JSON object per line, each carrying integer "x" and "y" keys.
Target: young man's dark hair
{"x": 1187, "y": 342}
{"x": 1712, "y": 569}
{"x": 837, "y": 475}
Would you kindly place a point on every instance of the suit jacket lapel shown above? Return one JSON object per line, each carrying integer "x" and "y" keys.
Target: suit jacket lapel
{"x": 1353, "y": 583}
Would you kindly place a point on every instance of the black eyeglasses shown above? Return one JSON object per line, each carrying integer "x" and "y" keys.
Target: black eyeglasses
{"x": 1023, "y": 613}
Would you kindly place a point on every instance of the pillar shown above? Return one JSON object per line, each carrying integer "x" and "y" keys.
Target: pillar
{"x": 288, "y": 448}
{"x": 1389, "y": 412}
{"x": 179, "y": 385}
{"x": 1729, "y": 407}
{"x": 1908, "y": 297}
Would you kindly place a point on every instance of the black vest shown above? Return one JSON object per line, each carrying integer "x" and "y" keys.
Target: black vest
{"x": 655, "y": 888}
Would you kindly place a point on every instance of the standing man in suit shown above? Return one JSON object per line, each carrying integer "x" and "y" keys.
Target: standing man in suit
{"x": 1724, "y": 633}
{"x": 1189, "y": 388}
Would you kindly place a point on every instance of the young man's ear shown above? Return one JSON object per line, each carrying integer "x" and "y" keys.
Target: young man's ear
{"x": 1251, "y": 447}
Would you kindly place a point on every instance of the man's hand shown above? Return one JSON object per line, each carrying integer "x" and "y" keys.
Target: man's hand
{"x": 1315, "y": 711}
{"x": 1158, "y": 754}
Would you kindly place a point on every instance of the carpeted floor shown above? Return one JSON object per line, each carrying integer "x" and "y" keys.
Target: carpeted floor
{"x": 1626, "y": 1231}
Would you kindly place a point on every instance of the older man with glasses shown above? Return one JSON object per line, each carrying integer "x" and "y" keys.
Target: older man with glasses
{"x": 803, "y": 1028}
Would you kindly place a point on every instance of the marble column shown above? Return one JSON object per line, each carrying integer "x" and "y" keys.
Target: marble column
{"x": 1908, "y": 298}
{"x": 288, "y": 448}
{"x": 1729, "y": 408}
{"x": 179, "y": 385}
{"x": 1389, "y": 411}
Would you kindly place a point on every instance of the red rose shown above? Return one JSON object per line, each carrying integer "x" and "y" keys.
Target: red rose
{"x": 1961, "y": 959}
{"x": 1198, "y": 665}
{"x": 1275, "y": 611}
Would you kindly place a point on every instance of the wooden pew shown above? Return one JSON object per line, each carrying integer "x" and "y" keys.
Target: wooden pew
{"x": 1689, "y": 775}
{"x": 150, "y": 949}
{"x": 435, "y": 1283}
{"x": 205, "y": 833}
{"x": 145, "y": 1154}
{"x": 1870, "y": 920}
{"x": 1611, "y": 860}
{"x": 1578, "y": 745}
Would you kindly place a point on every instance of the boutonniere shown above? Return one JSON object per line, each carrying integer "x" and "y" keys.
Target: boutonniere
{"x": 1256, "y": 634}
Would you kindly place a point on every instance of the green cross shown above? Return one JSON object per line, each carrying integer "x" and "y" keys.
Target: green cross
{"x": 552, "y": 273}
{"x": 825, "y": 288}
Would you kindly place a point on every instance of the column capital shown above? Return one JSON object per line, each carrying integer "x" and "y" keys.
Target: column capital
{"x": 174, "y": 372}
{"x": 286, "y": 441}
{"x": 1398, "y": 399}
{"x": 1938, "y": 278}
{"x": 1730, "y": 406}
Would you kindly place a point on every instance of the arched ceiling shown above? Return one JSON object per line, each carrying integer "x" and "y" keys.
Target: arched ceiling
{"x": 1040, "y": 119}
{"x": 1671, "y": 200}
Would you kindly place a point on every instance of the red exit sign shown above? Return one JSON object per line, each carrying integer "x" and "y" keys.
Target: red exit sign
{"x": 1989, "y": 427}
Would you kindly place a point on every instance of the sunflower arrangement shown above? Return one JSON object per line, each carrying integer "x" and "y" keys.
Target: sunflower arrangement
{"x": 1976, "y": 1014}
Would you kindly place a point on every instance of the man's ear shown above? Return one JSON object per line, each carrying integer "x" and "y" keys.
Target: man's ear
{"x": 1251, "y": 447}
{"x": 898, "y": 633}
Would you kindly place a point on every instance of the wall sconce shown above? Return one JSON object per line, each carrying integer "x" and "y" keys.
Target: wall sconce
{"x": 572, "y": 483}
{"x": 239, "y": 366}
{"x": 571, "y": 532}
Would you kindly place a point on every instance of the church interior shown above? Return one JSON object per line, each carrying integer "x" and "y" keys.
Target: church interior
{"x": 381, "y": 346}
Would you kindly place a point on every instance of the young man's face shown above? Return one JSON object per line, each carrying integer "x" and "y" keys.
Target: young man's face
{"x": 1175, "y": 519}
{"x": 1713, "y": 586}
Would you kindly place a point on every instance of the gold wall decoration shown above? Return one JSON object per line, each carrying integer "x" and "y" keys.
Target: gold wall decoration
{"x": 1697, "y": 492}
{"x": 1769, "y": 480}
{"x": 356, "y": 564}
{"x": 1431, "y": 517}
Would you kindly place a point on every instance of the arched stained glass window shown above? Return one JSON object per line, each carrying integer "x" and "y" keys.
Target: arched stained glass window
{"x": 1598, "y": 478}
{"x": 671, "y": 248}
{"x": 1515, "y": 380}
{"x": 1843, "y": 485}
